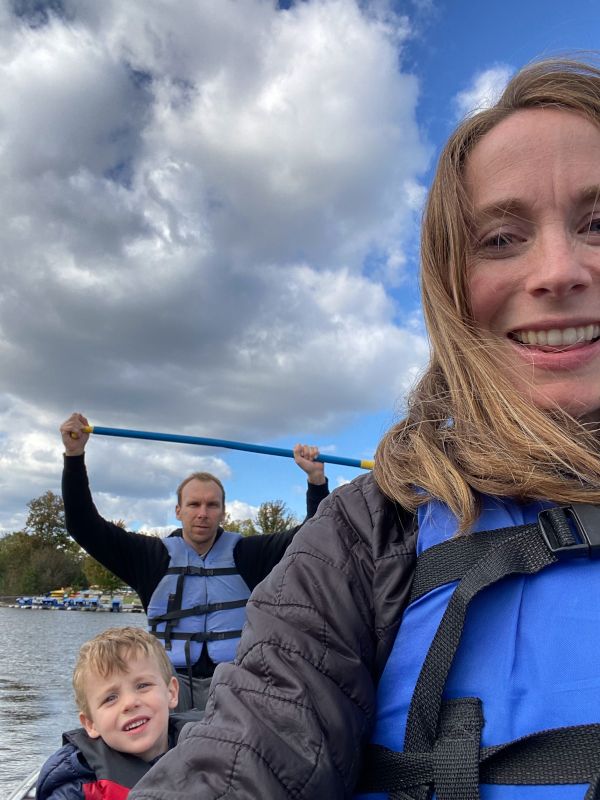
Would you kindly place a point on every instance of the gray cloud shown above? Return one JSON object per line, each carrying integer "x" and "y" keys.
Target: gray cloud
{"x": 191, "y": 193}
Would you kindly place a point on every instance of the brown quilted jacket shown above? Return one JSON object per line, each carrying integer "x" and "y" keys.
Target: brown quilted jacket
{"x": 288, "y": 719}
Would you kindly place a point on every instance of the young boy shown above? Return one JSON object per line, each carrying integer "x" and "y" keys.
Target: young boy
{"x": 124, "y": 689}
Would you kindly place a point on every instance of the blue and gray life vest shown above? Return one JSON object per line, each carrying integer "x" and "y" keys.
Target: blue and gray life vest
{"x": 492, "y": 688}
{"x": 199, "y": 599}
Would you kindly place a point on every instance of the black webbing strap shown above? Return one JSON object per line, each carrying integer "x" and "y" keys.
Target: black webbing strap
{"x": 524, "y": 553}
{"x": 559, "y": 756}
{"x": 204, "y": 572}
{"x": 203, "y": 636}
{"x": 456, "y": 750}
{"x": 452, "y": 766}
{"x": 188, "y": 661}
{"x": 524, "y": 550}
{"x": 195, "y": 610}
{"x": 449, "y": 561}
{"x": 173, "y": 607}
{"x": 174, "y": 611}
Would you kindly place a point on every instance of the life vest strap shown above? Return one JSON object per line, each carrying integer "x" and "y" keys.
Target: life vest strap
{"x": 524, "y": 553}
{"x": 204, "y": 572}
{"x": 207, "y": 608}
{"x": 559, "y": 756}
{"x": 569, "y": 531}
{"x": 203, "y": 636}
{"x": 477, "y": 562}
{"x": 452, "y": 766}
{"x": 174, "y": 611}
{"x": 449, "y": 561}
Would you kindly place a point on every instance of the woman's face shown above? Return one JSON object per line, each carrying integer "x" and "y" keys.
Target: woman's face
{"x": 534, "y": 269}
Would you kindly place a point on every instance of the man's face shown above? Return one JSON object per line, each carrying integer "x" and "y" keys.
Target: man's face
{"x": 130, "y": 710}
{"x": 200, "y": 513}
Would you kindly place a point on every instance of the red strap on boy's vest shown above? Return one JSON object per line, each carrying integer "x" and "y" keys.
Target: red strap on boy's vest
{"x": 105, "y": 790}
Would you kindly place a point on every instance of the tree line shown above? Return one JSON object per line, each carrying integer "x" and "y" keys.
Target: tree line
{"x": 43, "y": 557}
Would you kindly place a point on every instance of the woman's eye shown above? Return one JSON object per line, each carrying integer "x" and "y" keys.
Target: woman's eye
{"x": 497, "y": 244}
{"x": 593, "y": 226}
{"x": 498, "y": 240}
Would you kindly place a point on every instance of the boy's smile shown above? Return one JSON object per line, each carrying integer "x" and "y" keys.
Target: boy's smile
{"x": 130, "y": 710}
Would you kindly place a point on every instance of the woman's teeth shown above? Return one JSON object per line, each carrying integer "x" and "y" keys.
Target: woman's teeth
{"x": 558, "y": 337}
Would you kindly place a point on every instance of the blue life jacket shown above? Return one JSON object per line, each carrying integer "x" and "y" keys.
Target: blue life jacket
{"x": 529, "y": 650}
{"x": 199, "y": 599}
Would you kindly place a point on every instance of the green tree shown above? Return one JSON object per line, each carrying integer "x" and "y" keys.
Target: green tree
{"x": 41, "y": 557}
{"x": 50, "y": 569}
{"x": 46, "y": 522}
{"x": 28, "y": 567}
{"x": 274, "y": 517}
{"x": 16, "y": 550}
{"x": 244, "y": 526}
{"x": 99, "y": 576}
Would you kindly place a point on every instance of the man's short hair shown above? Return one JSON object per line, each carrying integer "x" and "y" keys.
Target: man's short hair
{"x": 206, "y": 477}
{"x": 110, "y": 651}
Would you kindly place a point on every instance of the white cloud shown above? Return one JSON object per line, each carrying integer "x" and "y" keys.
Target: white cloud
{"x": 191, "y": 193}
{"x": 237, "y": 510}
{"x": 485, "y": 89}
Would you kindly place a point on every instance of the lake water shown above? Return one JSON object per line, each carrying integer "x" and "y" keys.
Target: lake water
{"x": 37, "y": 655}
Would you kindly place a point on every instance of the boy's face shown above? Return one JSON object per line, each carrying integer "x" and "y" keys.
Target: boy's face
{"x": 130, "y": 710}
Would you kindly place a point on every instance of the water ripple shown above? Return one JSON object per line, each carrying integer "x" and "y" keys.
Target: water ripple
{"x": 36, "y": 699}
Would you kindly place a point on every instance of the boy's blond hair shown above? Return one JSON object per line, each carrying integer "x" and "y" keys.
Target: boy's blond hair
{"x": 110, "y": 651}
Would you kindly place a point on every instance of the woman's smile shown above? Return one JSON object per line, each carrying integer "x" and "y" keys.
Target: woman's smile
{"x": 534, "y": 262}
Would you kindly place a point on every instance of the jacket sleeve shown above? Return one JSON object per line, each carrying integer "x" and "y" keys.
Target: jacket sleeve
{"x": 314, "y": 494}
{"x": 255, "y": 556}
{"x": 62, "y": 776}
{"x": 287, "y": 720}
{"x": 140, "y": 561}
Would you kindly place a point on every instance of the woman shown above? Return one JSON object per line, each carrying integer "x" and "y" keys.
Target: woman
{"x": 502, "y": 428}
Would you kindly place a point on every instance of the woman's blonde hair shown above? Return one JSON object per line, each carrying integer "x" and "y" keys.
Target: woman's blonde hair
{"x": 111, "y": 651}
{"x": 467, "y": 428}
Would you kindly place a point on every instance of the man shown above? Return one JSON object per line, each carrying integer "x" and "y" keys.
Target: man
{"x": 195, "y": 583}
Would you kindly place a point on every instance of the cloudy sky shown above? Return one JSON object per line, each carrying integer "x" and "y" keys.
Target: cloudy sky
{"x": 210, "y": 225}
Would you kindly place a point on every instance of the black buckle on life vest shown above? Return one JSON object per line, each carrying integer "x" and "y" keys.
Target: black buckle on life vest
{"x": 583, "y": 520}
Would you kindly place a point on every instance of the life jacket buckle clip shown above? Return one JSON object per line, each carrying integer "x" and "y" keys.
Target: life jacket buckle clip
{"x": 582, "y": 521}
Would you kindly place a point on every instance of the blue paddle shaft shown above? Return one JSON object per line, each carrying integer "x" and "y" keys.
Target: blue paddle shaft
{"x": 201, "y": 440}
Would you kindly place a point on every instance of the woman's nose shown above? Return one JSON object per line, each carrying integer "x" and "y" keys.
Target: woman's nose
{"x": 560, "y": 265}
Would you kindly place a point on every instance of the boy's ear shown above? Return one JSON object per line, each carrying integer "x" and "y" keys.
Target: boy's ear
{"x": 89, "y": 726}
{"x": 173, "y": 689}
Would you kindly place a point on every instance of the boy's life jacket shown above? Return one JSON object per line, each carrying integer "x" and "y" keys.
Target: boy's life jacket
{"x": 199, "y": 599}
{"x": 492, "y": 688}
{"x": 115, "y": 773}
